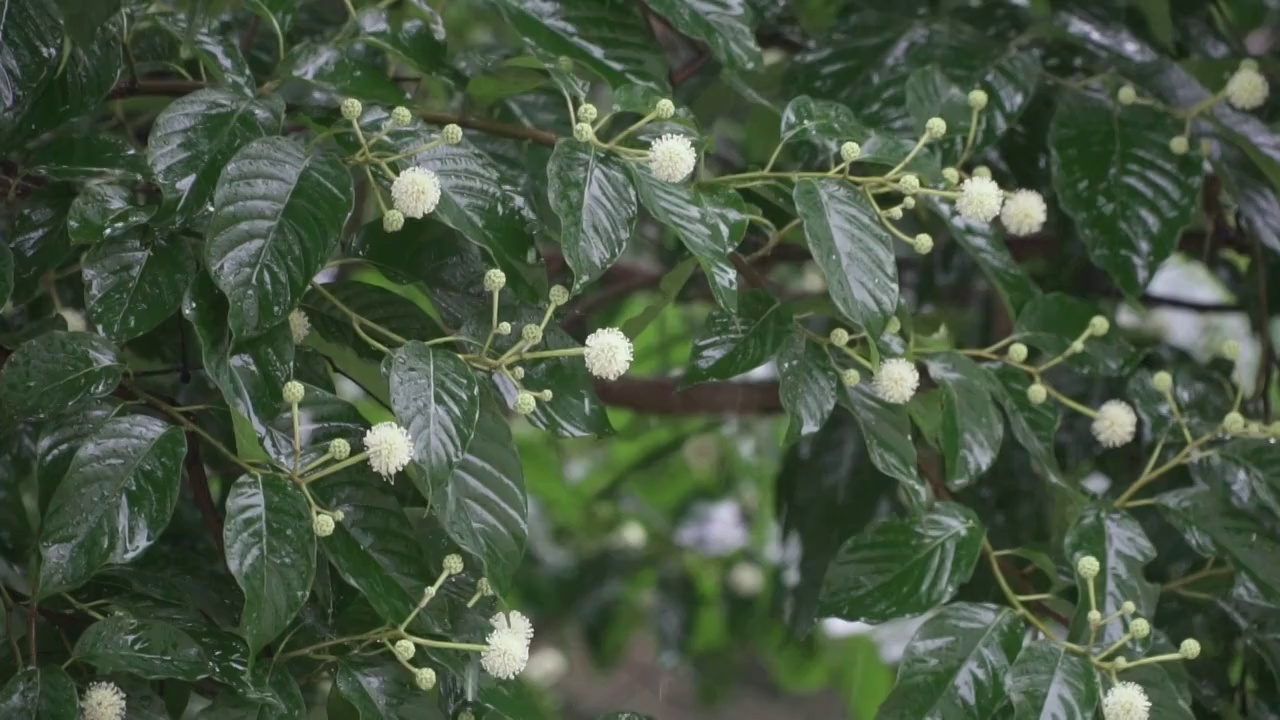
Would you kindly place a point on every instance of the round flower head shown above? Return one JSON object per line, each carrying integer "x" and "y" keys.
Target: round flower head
{"x": 893, "y": 213}
{"x": 850, "y": 377}
{"x": 484, "y": 588}
{"x": 587, "y": 112}
{"x": 1094, "y": 617}
{"x": 322, "y": 524}
{"x": 896, "y": 381}
{"x": 631, "y": 535}
{"x": 294, "y": 392}
{"x": 980, "y": 199}
{"x": 1128, "y": 608}
{"x": 1121, "y": 662}
{"x": 494, "y": 280}
{"x": 839, "y": 337}
{"x": 909, "y": 184}
{"x": 935, "y": 128}
{"x": 1037, "y": 394}
{"x": 415, "y": 192}
{"x": 908, "y": 203}
{"x": 982, "y": 171}
{"x": 1247, "y": 89}
{"x": 1162, "y": 381}
{"x": 401, "y": 117}
{"x": 977, "y": 99}
{"x": 582, "y": 132}
{"x": 340, "y": 449}
{"x": 746, "y": 578}
{"x": 102, "y": 701}
{"x": 451, "y": 134}
{"x": 1189, "y": 649}
{"x": 424, "y": 678}
{"x": 452, "y": 564}
{"x": 1088, "y": 567}
{"x": 393, "y": 220}
{"x": 922, "y": 244}
{"x": 338, "y": 515}
{"x": 546, "y": 395}
{"x": 299, "y": 326}
{"x": 1099, "y": 326}
{"x": 893, "y": 326}
{"x": 1115, "y": 423}
{"x": 1179, "y": 145}
{"x": 351, "y": 108}
{"x": 507, "y": 649}
{"x": 1140, "y": 628}
{"x": 607, "y": 353}
{"x": 1127, "y": 95}
{"x": 1126, "y": 701}
{"x": 404, "y": 649}
{"x": 1024, "y": 212}
{"x": 671, "y": 158}
{"x": 503, "y": 328}
{"x": 1017, "y": 353}
{"x": 525, "y": 403}
{"x": 951, "y": 175}
{"x": 1233, "y": 422}
{"x": 665, "y": 109}
{"x": 516, "y": 372}
{"x": 559, "y": 295}
{"x": 850, "y": 151}
{"x": 390, "y": 448}
{"x": 531, "y": 334}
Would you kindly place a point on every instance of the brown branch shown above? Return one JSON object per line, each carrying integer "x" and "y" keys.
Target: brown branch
{"x": 246, "y": 42}
{"x": 664, "y": 397}
{"x": 198, "y": 481}
{"x": 492, "y": 127}
{"x": 167, "y": 88}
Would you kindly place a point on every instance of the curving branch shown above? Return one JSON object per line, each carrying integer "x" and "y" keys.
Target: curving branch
{"x": 662, "y": 396}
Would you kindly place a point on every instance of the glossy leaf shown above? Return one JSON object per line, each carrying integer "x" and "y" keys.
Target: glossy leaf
{"x": 101, "y": 212}
{"x": 903, "y": 567}
{"x": 116, "y": 498}
{"x": 1130, "y": 197}
{"x": 593, "y": 196}
{"x": 1051, "y": 322}
{"x": 887, "y": 430}
{"x": 1123, "y": 550}
{"x": 38, "y": 241}
{"x": 853, "y": 250}
{"x": 1203, "y": 397}
{"x": 132, "y": 285}
{"x": 278, "y": 213}
{"x": 954, "y": 666}
{"x": 324, "y": 73}
{"x": 271, "y": 551}
{"x": 57, "y": 371}
{"x": 971, "y": 431}
{"x": 151, "y": 649}
{"x": 1033, "y": 426}
{"x": 379, "y": 690}
{"x": 1213, "y": 526}
{"x": 412, "y": 40}
{"x": 89, "y": 157}
{"x": 724, "y": 25}
{"x": 436, "y": 397}
{"x": 376, "y": 304}
{"x": 730, "y": 345}
{"x": 1248, "y": 469}
{"x": 195, "y": 137}
{"x": 47, "y": 693}
{"x": 984, "y": 244}
{"x": 828, "y": 125}
{"x": 807, "y": 383}
{"x": 322, "y": 418}
{"x": 1047, "y": 682}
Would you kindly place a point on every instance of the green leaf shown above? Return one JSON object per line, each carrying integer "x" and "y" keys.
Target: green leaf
{"x": 887, "y": 430}
{"x": 1212, "y": 526}
{"x": 482, "y": 504}
{"x": 807, "y": 383}
{"x": 38, "y": 240}
{"x": 218, "y": 52}
{"x": 1203, "y": 398}
{"x": 150, "y": 649}
{"x": 47, "y": 693}
{"x": 709, "y": 220}
{"x": 607, "y": 36}
{"x": 62, "y": 436}
{"x": 101, "y": 212}
{"x": 413, "y": 41}
{"x": 271, "y": 551}
{"x": 1050, "y": 323}
{"x": 726, "y": 26}
{"x": 1166, "y": 684}
{"x": 83, "y": 21}
{"x": 590, "y": 191}
{"x": 1047, "y": 682}
{"x": 730, "y": 345}
{"x": 853, "y": 250}
{"x": 1104, "y": 160}
{"x": 132, "y": 285}
{"x": 1122, "y": 550}
{"x": 955, "y": 665}
{"x": 376, "y": 304}
{"x": 1033, "y": 426}
{"x": 903, "y": 567}
{"x": 436, "y": 397}
{"x": 278, "y": 213}
{"x": 379, "y": 690}
{"x": 195, "y": 137}
{"x": 1248, "y": 469}
{"x": 324, "y": 73}
{"x": 828, "y": 125}
{"x": 985, "y": 246}
{"x": 118, "y": 495}
{"x": 971, "y": 431}
{"x": 56, "y": 371}
{"x": 89, "y": 157}
{"x": 323, "y": 417}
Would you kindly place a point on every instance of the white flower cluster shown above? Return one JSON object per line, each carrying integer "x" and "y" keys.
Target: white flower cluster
{"x": 672, "y": 157}
{"x": 507, "y": 650}
{"x": 1115, "y": 424}
{"x": 415, "y": 192}
{"x": 103, "y": 701}
{"x": 607, "y": 353}
{"x": 1023, "y": 212}
{"x": 1126, "y": 701}
{"x": 299, "y": 326}
{"x": 1247, "y": 89}
{"x": 896, "y": 381}
{"x": 390, "y": 448}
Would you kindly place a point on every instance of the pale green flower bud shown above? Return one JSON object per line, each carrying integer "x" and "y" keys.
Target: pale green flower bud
{"x": 340, "y": 449}
{"x": 587, "y": 112}
{"x": 1189, "y": 649}
{"x": 909, "y": 184}
{"x": 839, "y": 337}
{"x": 893, "y": 326}
{"x": 452, "y": 134}
{"x": 935, "y": 128}
{"x": 424, "y": 678}
{"x": 1179, "y": 144}
{"x": 1162, "y": 381}
{"x": 452, "y": 564}
{"x": 850, "y": 377}
{"x": 982, "y": 171}
{"x": 494, "y": 280}
{"x": 977, "y": 99}
{"x": 1127, "y": 95}
{"x": 322, "y": 525}
{"x": 1037, "y": 394}
{"x": 665, "y": 109}
{"x": 393, "y": 221}
{"x": 1233, "y": 422}
{"x": 559, "y": 295}
{"x": 1139, "y": 628}
{"x": 850, "y": 151}
{"x": 922, "y": 244}
{"x": 546, "y": 395}
{"x": 351, "y": 108}
{"x": 582, "y": 132}
{"x": 1088, "y": 567}
{"x": 502, "y": 328}
{"x": 401, "y": 117}
{"x": 1017, "y": 353}
{"x": 531, "y": 334}
{"x": 404, "y": 649}
{"x": 951, "y": 175}
{"x": 294, "y": 392}
{"x": 525, "y": 403}
{"x": 1098, "y": 326}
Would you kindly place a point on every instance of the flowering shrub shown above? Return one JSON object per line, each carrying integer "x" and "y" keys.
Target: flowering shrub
{"x": 343, "y": 343}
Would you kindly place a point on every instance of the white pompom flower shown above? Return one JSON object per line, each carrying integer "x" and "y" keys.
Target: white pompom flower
{"x": 1024, "y": 212}
{"x": 507, "y": 650}
{"x": 390, "y": 448}
{"x": 1126, "y": 701}
{"x": 299, "y": 326}
{"x": 103, "y": 701}
{"x": 980, "y": 199}
{"x": 416, "y": 192}
{"x": 897, "y": 380}
{"x": 672, "y": 157}
{"x": 1247, "y": 89}
{"x": 1115, "y": 424}
{"x": 607, "y": 353}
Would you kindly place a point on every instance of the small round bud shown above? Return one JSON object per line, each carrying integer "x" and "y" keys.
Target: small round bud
{"x": 452, "y": 564}
{"x": 908, "y": 203}
{"x": 516, "y": 372}
{"x": 1189, "y": 649}
{"x": 850, "y": 151}
{"x": 1017, "y": 353}
{"x": 665, "y": 109}
{"x": 294, "y": 392}
{"x": 1139, "y": 628}
{"x": 564, "y": 64}
{"x": 393, "y": 221}
{"x": 559, "y": 295}
{"x": 525, "y": 403}
{"x": 1037, "y": 394}
{"x": 1127, "y": 95}
{"x": 322, "y": 525}
{"x": 1121, "y": 662}
{"x": 1231, "y": 350}
{"x": 502, "y": 328}
{"x": 982, "y": 171}
{"x": 1179, "y": 144}
{"x": 401, "y": 117}
{"x": 951, "y": 175}
{"x": 451, "y": 134}
{"x": 850, "y": 377}
{"x": 977, "y": 99}
{"x": 1162, "y": 381}
{"x": 1233, "y": 422}
{"x": 909, "y": 184}
{"x": 546, "y": 395}
{"x": 1098, "y": 326}
{"x": 839, "y": 337}
{"x": 1075, "y": 348}
{"x": 935, "y": 128}
{"x": 531, "y": 334}
{"x": 494, "y": 280}
{"x": 424, "y": 678}
{"x": 338, "y": 515}
{"x": 484, "y": 587}
{"x": 893, "y": 326}
{"x": 466, "y": 715}
{"x": 893, "y": 213}
{"x": 340, "y": 449}
{"x": 1128, "y": 608}
{"x": 428, "y": 593}
{"x": 587, "y": 112}
{"x": 922, "y": 244}
{"x": 1088, "y": 567}
{"x": 1094, "y": 617}
{"x": 404, "y": 649}
{"x": 582, "y": 132}
{"x": 351, "y": 108}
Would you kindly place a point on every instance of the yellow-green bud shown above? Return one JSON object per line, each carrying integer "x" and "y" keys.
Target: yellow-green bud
{"x": 322, "y": 525}
{"x": 893, "y": 326}
{"x": 1017, "y": 353}
{"x": 1179, "y": 144}
{"x": 1128, "y": 608}
{"x": 483, "y": 587}
{"x": 401, "y": 117}
{"x": 546, "y": 395}
{"x": 559, "y": 295}
{"x": 839, "y": 337}
{"x": 393, "y": 221}
{"x": 908, "y": 203}
{"x": 1162, "y": 381}
{"x": 977, "y": 99}
{"x": 850, "y": 151}
{"x": 565, "y": 64}
{"x": 451, "y": 134}
{"x": 494, "y": 280}
{"x": 909, "y": 184}
{"x": 1189, "y": 649}
{"x": 1233, "y": 422}
{"x": 1037, "y": 394}
{"x": 338, "y": 515}
{"x": 351, "y": 108}
{"x": 1094, "y": 617}
{"x": 587, "y": 112}
{"x": 893, "y": 213}
{"x": 452, "y": 564}
{"x": 531, "y": 334}
{"x": 424, "y": 678}
{"x": 582, "y": 132}
{"x": 1139, "y": 628}
{"x": 340, "y": 449}
{"x": 1098, "y": 326}
{"x": 1075, "y": 348}
{"x": 1088, "y": 567}
{"x": 502, "y": 328}
{"x": 1121, "y": 662}
{"x": 665, "y": 109}
{"x": 951, "y": 175}
{"x": 1231, "y": 350}
{"x": 516, "y": 372}
{"x": 935, "y": 128}
{"x": 850, "y": 377}
{"x": 982, "y": 171}
{"x": 404, "y": 649}
{"x": 525, "y": 403}
{"x": 922, "y": 244}
{"x": 1127, "y": 95}
{"x": 294, "y": 392}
